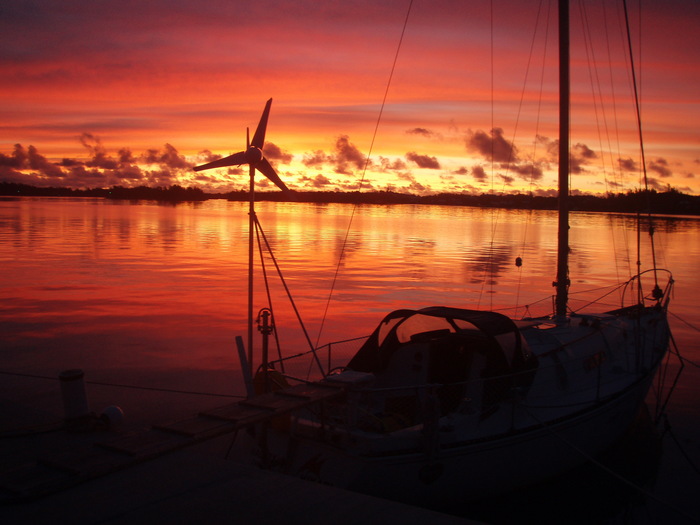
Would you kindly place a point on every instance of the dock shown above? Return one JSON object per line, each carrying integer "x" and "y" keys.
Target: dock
{"x": 177, "y": 472}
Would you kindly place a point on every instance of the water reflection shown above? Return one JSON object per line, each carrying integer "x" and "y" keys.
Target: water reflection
{"x": 178, "y": 272}
{"x": 485, "y": 266}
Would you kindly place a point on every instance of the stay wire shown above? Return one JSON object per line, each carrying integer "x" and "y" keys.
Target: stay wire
{"x": 641, "y": 147}
{"x": 289, "y": 295}
{"x": 610, "y": 471}
{"x": 364, "y": 173}
{"x": 267, "y": 290}
{"x": 528, "y": 221}
{"x": 121, "y": 385}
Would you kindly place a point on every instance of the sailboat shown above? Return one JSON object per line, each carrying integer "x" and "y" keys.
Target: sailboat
{"x": 444, "y": 403}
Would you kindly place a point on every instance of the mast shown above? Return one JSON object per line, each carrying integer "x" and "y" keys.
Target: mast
{"x": 562, "y": 282}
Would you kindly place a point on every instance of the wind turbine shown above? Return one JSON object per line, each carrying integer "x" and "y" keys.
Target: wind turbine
{"x": 253, "y": 156}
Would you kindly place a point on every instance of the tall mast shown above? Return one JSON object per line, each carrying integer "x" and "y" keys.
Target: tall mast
{"x": 562, "y": 282}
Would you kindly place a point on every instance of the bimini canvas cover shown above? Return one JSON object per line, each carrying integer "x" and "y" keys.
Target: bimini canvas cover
{"x": 489, "y": 332}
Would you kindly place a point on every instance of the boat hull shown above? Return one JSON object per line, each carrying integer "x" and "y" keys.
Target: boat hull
{"x": 471, "y": 470}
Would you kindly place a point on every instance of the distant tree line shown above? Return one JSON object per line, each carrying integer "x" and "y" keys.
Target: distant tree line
{"x": 670, "y": 202}
{"x": 648, "y": 201}
{"x": 173, "y": 193}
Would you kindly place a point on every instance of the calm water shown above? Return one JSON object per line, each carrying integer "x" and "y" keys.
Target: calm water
{"x": 154, "y": 293}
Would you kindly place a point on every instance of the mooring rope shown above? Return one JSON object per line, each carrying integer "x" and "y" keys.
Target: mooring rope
{"x": 121, "y": 385}
{"x": 611, "y": 472}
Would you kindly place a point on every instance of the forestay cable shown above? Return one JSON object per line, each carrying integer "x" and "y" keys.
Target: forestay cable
{"x": 364, "y": 172}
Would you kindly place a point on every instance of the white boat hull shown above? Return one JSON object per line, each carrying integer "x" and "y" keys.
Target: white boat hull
{"x": 475, "y": 469}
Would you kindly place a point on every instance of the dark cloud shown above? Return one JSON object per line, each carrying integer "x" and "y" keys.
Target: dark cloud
{"x": 168, "y": 157}
{"x": 656, "y": 184}
{"x": 530, "y": 172}
{"x": 70, "y": 163}
{"x": 423, "y": 161}
{"x": 274, "y": 152}
{"x": 584, "y": 152}
{"x": 161, "y": 177}
{"x": 551, "y": 146}
{"x": 660, "y": 166}
{"x": 492, "y": 147}
{"x": 100, "y": 170}
{"x": 346, "y": 154}
{"x": 99, "y": 156}
{"x": 17, "y": 159}
{"x": 387, "y": 165}
{"x": 627, "y": 164}
{"x": 319, "y": 181}
{"x": 172, "y": 158}
{"x": 420, "y": 131}
{"x": 129, "y": 173}
{"x": 580, "y": 156}
{"x": 507, "y": 180}
{"x": 315, "y": 159}
{"x": 9, "y": 174}
{"x": 413, "y": 185}
{"x": 479, "y": 174}
{"x": 343, "y": 159}
{"x": 125, "y": 156}
{"x": 38, "y": 162}
{"x": 205, "y": 156}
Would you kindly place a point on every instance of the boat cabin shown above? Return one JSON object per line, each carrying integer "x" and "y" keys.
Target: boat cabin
{"x": 465, "y": 360}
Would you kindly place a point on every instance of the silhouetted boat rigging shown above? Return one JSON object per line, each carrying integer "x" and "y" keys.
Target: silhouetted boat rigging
{"x": 441, "y": 403}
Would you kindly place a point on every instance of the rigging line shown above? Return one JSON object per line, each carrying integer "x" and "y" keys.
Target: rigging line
{"x": 597, "y": 96}
{"x": 667, "y": 430}
{"x": 616, "y": 167}
{"x": 697, "y": 329}
{"x": 489, "y": 269}
{"x": 120, "y": 385}
{"x": 608, "y": 470}
{"x": 662, "y": 408}
{"x": 537, "y": 129}
{"x": 641, "y": 142}
{"x": 267, "y": 291}
{"x": 289, "y": 295}
{"x": 364, "y": 172}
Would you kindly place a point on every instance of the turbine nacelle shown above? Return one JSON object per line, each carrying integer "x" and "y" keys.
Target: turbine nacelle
{"x": 253, "y": 155}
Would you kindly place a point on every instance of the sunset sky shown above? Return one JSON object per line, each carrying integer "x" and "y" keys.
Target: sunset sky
{"x": 105, "y": 93}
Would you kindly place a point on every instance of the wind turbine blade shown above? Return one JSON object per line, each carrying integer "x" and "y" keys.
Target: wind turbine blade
{"x": 247, "y": 138}
{"x": 259, "y": 137}
{"x": 266, "y": 169}
{"x": 232, "y": 160}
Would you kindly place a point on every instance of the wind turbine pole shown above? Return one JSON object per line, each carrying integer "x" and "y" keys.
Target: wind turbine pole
{"x": 251, "y": 227}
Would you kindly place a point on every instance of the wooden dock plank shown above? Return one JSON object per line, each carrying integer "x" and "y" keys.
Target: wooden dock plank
{"x": 87, "y": 462}
{"x": 146, "y": 444}
{"x": 241, "y": 415}
{"x": 34, "y": 479}
{"x": 198, "y": 427}
{"x": 274, "y": 403}
{"x": 312, "y": 392}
